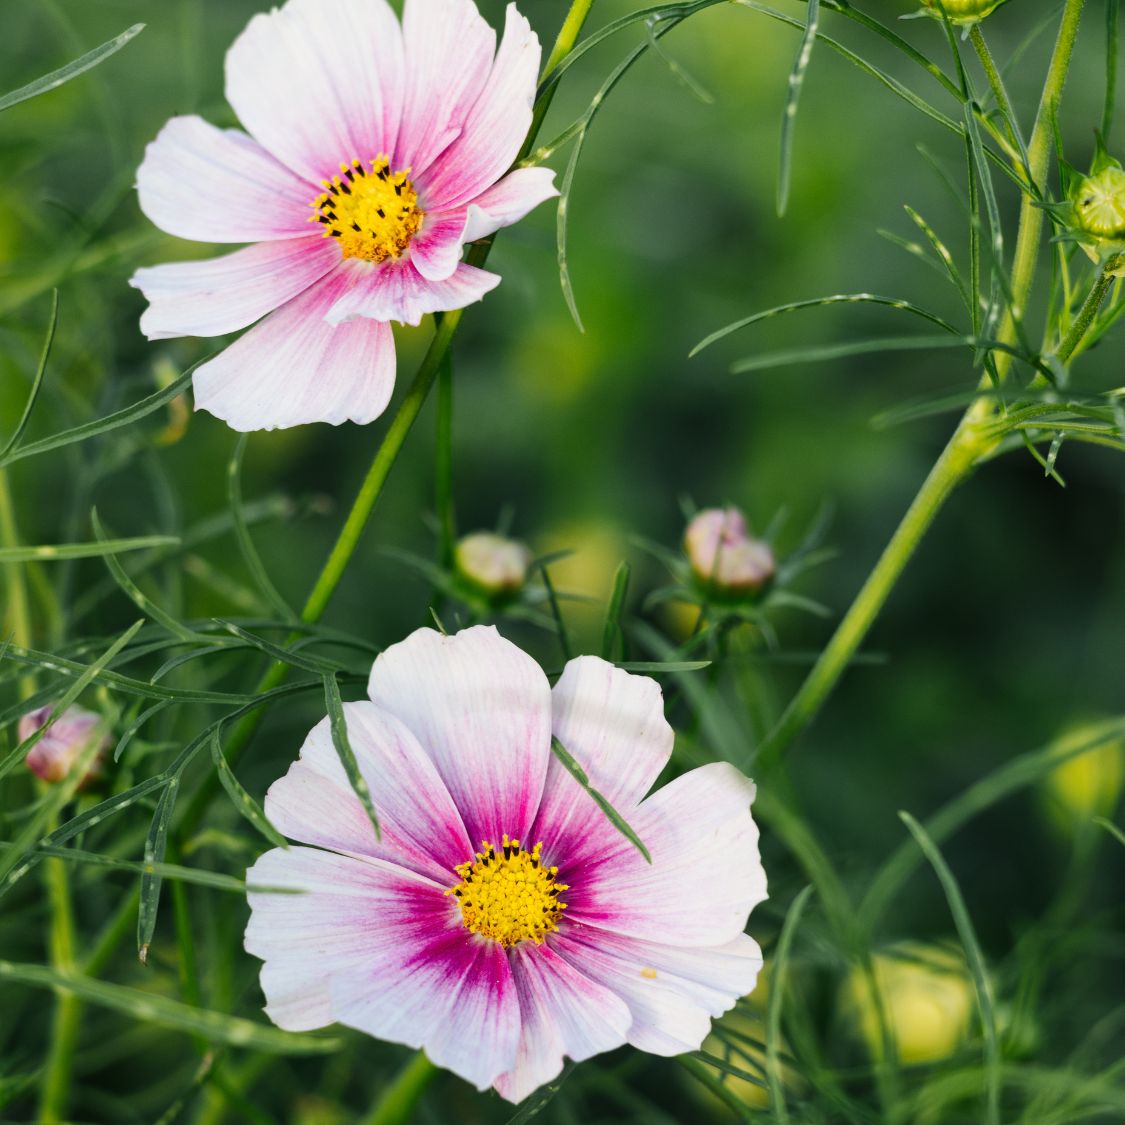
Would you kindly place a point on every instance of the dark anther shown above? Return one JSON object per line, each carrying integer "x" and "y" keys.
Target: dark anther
{"x": 380, "y": 212}
{"x": 344, "y": 188}
{"x": 357, "y": 227}
{"x": 337, "y": 234}
{"x": 323, "y": 219}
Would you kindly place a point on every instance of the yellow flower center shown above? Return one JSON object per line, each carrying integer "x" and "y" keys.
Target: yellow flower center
{"x": 508, "y": 895}
{"x": 372, "y": 214}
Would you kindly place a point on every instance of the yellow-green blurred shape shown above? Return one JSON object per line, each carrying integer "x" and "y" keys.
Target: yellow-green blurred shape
{"x": 1088, "y": 784}
{"x": 927, "y": 999}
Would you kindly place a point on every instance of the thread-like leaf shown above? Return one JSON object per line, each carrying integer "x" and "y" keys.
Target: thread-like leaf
{"x": 72, "y": 69}
{"x": 243, "y": 802}
{"x": 613, "y": 636}
{"x": 151, "y": 878}
{"x": 338, "y": 724}
{"x": 151, "y": 1008}
{"x": 612, "y": 815}
{"x": 37, "y": 382}
{"x": 975, "y": 958}
{"x": 792, "y": 99}
{"x": 84, "y": 550}
{"x": 773, "y": 1013}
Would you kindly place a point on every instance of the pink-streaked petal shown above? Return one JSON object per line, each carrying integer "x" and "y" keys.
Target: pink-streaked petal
{"x": 219, "y": 185}
{"x": 705, "y": 875}
{"x": 508, "y": 201}
{"x": 481, "y": 709}
{"x": 442, "y": 990}
{"x": 347, "y": 912}
{"x": 397, "y": 291}
{"x": 672, "y": 993}
{"x": 449, "y": 50}
{"x": 319, "y": 84}
{"x": 563, "y": 1012}
{"x": 613, "y": 724}
{"x": 419, "y": 825}
{"x": 296, "y": 367}
{"x": 436, "y": 248}
{"x": 221, "y": 295}
{"x": 496, "y": 126}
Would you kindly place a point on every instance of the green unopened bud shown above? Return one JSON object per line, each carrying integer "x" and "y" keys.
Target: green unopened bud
{"x": 963, "y": 12}
{"x": 1099, "y": 203}
{"x": 491, "y": 564}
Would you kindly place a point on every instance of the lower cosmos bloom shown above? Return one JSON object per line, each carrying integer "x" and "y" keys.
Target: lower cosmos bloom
{"x": 501, "y": 922}
{"x": 373, "y": 152}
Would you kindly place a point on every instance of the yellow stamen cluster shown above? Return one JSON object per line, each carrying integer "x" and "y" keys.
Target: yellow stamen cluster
{"x": 373, "y": 215}
{"x": 508, "y": 895}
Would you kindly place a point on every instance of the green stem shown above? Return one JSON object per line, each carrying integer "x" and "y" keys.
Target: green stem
{"x": 19, "y": 609}
{"x": 55, "y": 1089}
{"x": 970, "y": 441}
{"x": 395, "y": 1105}
{"x": 1089, "y": 309}
{"x": 998, "y": 90}
{"x": 443, "y": 466}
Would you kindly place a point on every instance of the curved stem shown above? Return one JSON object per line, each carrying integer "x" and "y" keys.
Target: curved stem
{"x": 396, "y": 1103}
{"x": 970, "y": 441}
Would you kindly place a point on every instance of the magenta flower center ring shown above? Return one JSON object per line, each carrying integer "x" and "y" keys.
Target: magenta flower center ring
{"x": 373, "y": 214}
{"x": 509, "y": 895}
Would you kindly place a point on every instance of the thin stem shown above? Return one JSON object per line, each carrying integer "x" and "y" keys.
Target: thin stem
{"x": 19, "y": 609}
{"x": 969, "y": 443}
{"x": 998, "y": 91}
{"x": 1089, "y": 309}
{"x": 443, "y": 467}
{"x": 55, "y": 1089}
{"x": 396, "y": 1103}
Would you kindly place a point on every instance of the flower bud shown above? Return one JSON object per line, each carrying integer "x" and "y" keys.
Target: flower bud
{"x": 1088, "y": 784}
{"x": 723, "y": 554}
{"x": 1099, "y": 203}
{"x": 927, "y": 1000}
{"x": 54, "y": 755}
{"x": 963, "y": 12}
{"x": 492, "y": 564}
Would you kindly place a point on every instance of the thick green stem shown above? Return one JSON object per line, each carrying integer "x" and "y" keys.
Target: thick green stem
{"x": 443, "y": 463}
{"x": 1089, "y": 309}
{"x": 396, "y": 1103}
{"x": 19, "y": 610}
{"x": 970, "y": 441}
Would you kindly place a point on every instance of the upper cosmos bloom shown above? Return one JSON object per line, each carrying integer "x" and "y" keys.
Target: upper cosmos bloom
{"x": 724, "y": 555}
{"x": 502, "y": 921}
{"x": 53, "y": 756}
{"x": 373, "y": 152}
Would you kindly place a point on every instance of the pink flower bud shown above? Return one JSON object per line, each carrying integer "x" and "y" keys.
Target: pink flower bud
{"x": 54, "y": 755}
{"x": 723, "y": 554}
{"x": 494, "y": 565}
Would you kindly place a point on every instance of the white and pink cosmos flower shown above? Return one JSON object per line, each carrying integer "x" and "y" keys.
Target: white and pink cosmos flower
{"x": 502, "y": 922}
{"x": 372, "y": 153}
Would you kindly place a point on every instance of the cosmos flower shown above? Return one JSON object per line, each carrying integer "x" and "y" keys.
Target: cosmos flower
{"x": 372, "y": 154}
{"x": 723, "y": 554}
{"x": 502, "y": 922}
{"x": 53, "y": 756}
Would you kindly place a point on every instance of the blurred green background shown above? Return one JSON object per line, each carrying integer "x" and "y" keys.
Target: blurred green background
{"x": 1005, "y": 631}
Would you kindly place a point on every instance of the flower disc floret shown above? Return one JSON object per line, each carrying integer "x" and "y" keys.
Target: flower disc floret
{"x": 509, "y": 895}
{"x": 374, "y": 215}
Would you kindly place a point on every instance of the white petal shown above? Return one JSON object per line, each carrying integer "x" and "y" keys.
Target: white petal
{"x": 348, "y": 910}
{"x": 319, "y": 83}
{"x": 705, "y": 875}
{"x": 672, "y": 993}
{"x": 481, "y": 709}
{"x": 563, "y": 1012}
{"x": 296, "y": 367}
{"x": 442, "y": 990}
{"x": 613, "y": 724}
{"x": 449, "y": 50}
{"x": 495, "y": 128}
{"x": 220, "y": 295}
{"x": 419, "y": 825}
{"x": 436, "y": 249}
{"x": 397, "y": 291}
{"x": 508, "y": 200}
{"x": 219, "y": 185}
